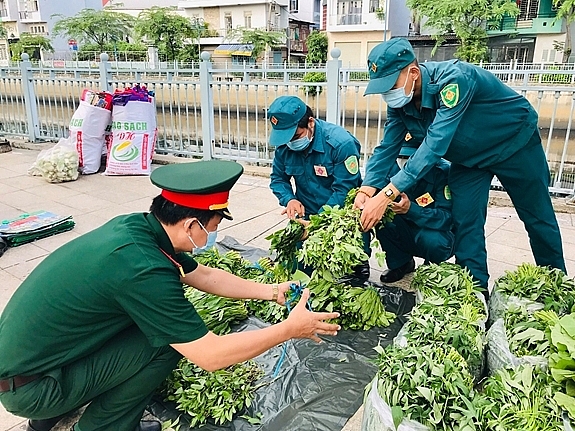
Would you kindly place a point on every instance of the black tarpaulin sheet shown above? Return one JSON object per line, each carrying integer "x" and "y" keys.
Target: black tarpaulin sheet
{"x": 319, "y": 386}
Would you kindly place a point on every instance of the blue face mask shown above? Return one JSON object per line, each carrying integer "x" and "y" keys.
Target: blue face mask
{"x": 212, "y": 236}
{"x": 299, "y": 144}
{"x": 397, "y": 98}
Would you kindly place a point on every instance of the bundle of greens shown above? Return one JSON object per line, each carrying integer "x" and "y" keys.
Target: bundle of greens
{"x": 429, "y": 384}
{"x": 448, "y": 321}
{"x": 217, "y": 312}
{"x": 334, "y": 245}
{"x": 526, "y": 331}
{"x": 521, "y": 399}
{"x": 264, "y": 270}
{"x": 212, "y": 396}
{"x": 284, "y": 243}
{"x": 448, "y": 280}
{"x": 562, "y": 361}
{"x": 549, "y": 286}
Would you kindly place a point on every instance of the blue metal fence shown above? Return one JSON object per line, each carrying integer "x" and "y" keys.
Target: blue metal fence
{"x": 211, "y": 111}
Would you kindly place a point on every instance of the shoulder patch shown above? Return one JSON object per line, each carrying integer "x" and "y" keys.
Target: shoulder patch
{"x": 447, "y": 193}
{"x": 450, "y": 95}
{"x": 352, "y": 165}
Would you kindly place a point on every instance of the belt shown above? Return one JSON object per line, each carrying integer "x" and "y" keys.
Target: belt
{"x": 17, "y": 381}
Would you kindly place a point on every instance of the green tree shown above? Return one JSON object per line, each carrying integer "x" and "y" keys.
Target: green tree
{"x": 316, "y": 47}
{"x": 261, "y": 39}
{"x": 100, "y": 27}
{"x": 3, "y": 32}
{"x": 566, "y": 11}
{"x": 31, "y": 45}
{"x": 466, "y": 19}
{"x": 168, "y": 31}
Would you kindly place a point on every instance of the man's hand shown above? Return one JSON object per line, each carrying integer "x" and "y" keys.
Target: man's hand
{"x": 307, "y": 324}
{"x": 293, "y": 208}
{"x": 373, "y": 211}
{"x": 284, "y": 288}
{"x": 363, "y": 195}
{"x": 401, "y": 207}
{"x": 305, "y": 224}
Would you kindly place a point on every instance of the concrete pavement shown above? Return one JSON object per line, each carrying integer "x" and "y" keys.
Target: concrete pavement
{"x": 94, "y": 199}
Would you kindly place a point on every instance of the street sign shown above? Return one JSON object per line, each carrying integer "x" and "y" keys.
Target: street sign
{"x": 73, "y": 45}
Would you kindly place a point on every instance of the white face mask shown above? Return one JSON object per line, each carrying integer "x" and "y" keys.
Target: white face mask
{"x": 210, "y": 241}
{"x": 397, "y": 98}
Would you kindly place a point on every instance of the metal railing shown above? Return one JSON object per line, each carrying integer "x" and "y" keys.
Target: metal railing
{"x": 214, "y": 112}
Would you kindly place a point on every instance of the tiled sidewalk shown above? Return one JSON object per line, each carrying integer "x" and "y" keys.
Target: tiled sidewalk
{"x": 94, "y": 199}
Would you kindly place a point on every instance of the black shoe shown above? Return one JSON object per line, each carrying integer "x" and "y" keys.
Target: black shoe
{"x": 396, "y": 274}
{"x": 147, "y": 425}
{"x": 362, "y": 271}
{"x": 42, "y": 424}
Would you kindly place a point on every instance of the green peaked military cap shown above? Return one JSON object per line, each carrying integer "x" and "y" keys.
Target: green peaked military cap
{"x": 385, "y": 62}
{"x": 201, "y": 185}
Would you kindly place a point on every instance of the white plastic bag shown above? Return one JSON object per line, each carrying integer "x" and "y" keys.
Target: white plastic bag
{"x": 87, "y": 132}
{"x": 377, "y": 415}
{"x": 134, "y": 136}
{"x": 499, "y": 354}
{"x": 57, "y": 164}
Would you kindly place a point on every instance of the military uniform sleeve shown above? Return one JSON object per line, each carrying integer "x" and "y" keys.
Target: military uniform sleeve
{"x": 345, "y": 169}
{"x": 188, "y": 263}
{"x": 279, "y": 180}
{"x": 437, "y": 215}
{"x": 154, "y": 298}
{"x": 440, "y": 133}
{"x": 384, "y": 155}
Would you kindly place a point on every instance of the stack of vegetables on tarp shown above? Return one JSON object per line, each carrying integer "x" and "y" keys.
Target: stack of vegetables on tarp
{"x": 428, "y": 379}
{"x": 301, "y": 384}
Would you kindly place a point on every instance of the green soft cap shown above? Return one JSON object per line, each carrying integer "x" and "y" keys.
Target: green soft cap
{"x": 385, "y": 62}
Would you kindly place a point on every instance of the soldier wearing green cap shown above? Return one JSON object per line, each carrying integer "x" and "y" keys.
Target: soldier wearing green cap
{"x": 466, "y": 115}
{"x": 103, "y": 320}
{"x": 422, "y": 225}
{"x": 322, "y": 159}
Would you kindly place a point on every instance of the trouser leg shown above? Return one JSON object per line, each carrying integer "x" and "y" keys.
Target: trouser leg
{"x": 433, "y": 245}
{"x": 118, "y": 381}
{"x": 470, "y": 195}
{"x": 525, "y": 177}
{"x": 397, "y": 240}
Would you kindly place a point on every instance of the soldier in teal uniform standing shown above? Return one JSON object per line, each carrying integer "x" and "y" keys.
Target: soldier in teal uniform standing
{"x": 322, "y": 159}
{"x": 103, "y": 319}
{"x": 422, "y": 225}
{"x": 484, "y": 128}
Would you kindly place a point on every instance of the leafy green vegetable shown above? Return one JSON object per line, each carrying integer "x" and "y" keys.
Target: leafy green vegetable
{"x": 549, "y": 286}
{"x": 217, "y": 396}
{"x": 284, "y": 243}
{"x": 430, "y": 384}
{"x": 526, "y": 331}
{"x": 521, "y": 399}
{"x": 217, "y": 312}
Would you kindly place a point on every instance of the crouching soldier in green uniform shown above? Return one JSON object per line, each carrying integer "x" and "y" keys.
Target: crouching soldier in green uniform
{"x": 103, "y": 319}
{"x": 484, "y": 128}
{"x": 321, "y": 158}
{"x": 422, "y": 225}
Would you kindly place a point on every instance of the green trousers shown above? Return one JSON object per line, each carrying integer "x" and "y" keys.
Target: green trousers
{"x": 525, "y": 177}
{"x": 117, "y": 381}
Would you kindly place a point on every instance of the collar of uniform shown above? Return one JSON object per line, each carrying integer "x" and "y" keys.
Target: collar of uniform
{"x": 428, "y": 90}
{"x": 317, "y": 143}
{"x": 163, "y": 240}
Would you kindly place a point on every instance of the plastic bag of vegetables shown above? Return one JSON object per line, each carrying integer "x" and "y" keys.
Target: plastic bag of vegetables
{"x": 57, "y": 164}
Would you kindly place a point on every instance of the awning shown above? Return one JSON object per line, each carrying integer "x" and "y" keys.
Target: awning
{"x": 235, "y": 49}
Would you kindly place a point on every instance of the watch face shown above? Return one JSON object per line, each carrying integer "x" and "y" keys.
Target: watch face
{"x": 389, "y": 193}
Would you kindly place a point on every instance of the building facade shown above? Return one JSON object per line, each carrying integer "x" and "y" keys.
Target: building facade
{"x": 356, "y": 26}
{"x": 36, "y": 17}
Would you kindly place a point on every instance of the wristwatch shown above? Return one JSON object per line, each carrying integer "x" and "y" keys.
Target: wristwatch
{"x": 389, "y": 193}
